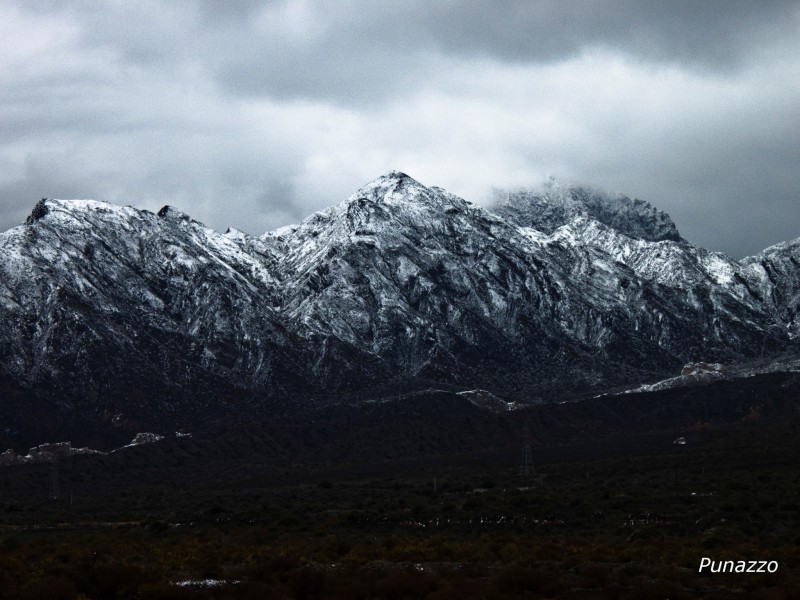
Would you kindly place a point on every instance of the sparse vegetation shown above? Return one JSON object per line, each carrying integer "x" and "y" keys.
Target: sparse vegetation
{"x": 619, "y": 527}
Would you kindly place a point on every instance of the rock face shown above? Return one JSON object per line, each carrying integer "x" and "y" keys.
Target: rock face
{"x": 556, "y": 206}
{"x": 117, "y": 319}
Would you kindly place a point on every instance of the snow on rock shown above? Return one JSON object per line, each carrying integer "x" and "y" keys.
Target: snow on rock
{"x": 44, "y": 453}
{"x": 206, "y": 583}
{"x": 701, "y": 373}
{"x": 548, "y": 294}
{"x": 555, "y": 205}
{"x": 688, "y": 379}
{"x": 485, "y": 399}
{"x": 146, "y": 438}
{"x": 702, "y": 367}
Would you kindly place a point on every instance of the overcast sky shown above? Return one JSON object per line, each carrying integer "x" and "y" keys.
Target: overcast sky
{"x": 256, "y": 114}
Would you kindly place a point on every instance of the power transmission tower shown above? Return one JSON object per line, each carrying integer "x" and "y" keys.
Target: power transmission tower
{"x": 54, "y": 491}
{"x": 526, "y": 464}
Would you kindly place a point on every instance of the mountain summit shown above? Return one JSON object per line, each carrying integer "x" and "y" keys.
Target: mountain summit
{"x": 556, "y": 206}
{"x": 117, "y": 320}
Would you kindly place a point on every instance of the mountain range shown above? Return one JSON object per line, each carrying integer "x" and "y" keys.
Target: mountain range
{"x": 116, "y": 320}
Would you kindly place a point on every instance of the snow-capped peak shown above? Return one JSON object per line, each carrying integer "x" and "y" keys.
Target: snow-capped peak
{"x": 556, "y": 205}
{"x": 173, "y": 213}
{"x": 392, "y": 187}
{"x": 562, "y": 292}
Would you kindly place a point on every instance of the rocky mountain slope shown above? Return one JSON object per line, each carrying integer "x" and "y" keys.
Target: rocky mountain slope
{"x": 114, "y": 319}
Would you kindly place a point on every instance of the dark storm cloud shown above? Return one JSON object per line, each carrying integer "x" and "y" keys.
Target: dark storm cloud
{"x": 254, "y": 114}
{"x": 360, "y": 50}
{"x": 715, "y": 34}
{"x": 356, "y": 52}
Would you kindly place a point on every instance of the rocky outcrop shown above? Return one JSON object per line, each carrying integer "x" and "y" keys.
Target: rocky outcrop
{"x": 116, "y": 319}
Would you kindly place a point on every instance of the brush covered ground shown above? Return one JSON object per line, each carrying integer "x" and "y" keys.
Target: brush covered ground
{"x": 619, "y": 516}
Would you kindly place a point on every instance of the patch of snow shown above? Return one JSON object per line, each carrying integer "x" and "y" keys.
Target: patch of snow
{"x": 719, "y": 268}
{"x": 487, "y": 400}
{"x": 145, "y": 438}
{"x": 206, "y": 583}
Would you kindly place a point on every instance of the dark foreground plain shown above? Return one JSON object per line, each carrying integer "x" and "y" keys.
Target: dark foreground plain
{"x": 422, "y": 497}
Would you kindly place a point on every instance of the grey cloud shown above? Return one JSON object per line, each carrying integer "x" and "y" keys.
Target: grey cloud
{"x": 716, "y": 34}
{"x": 212, "y": 11}
{"x": 366, "y": 52}
{"x": 255, "y": 114}
{"x": 371, "y": 52}
{"x": 221, "y": 177}
{"x": 732, "y": 197}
